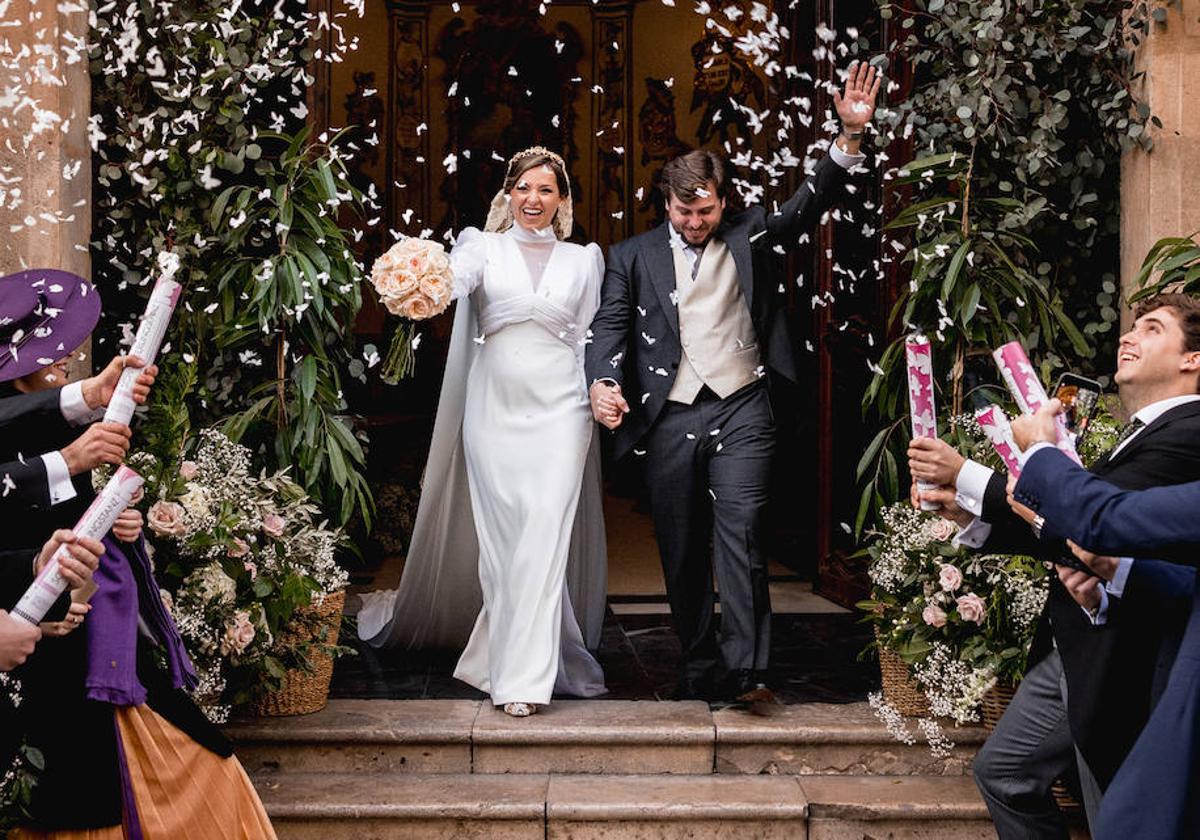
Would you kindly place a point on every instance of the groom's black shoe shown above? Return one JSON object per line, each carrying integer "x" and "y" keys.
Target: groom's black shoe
{"x": 747, "y": 686}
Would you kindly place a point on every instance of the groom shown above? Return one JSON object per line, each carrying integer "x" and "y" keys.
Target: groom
{"x": 690, "y": 318}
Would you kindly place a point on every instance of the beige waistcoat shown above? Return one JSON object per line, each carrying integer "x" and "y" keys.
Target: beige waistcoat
{"x": 719, "y": 346}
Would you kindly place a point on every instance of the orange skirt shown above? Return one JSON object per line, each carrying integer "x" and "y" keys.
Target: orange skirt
{"x": 182, "y": 791}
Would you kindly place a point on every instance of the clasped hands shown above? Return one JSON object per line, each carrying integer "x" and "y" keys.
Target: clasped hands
{"x": 608, "y": 405}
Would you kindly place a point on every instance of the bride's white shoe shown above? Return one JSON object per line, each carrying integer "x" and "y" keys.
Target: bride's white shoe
{"x": 519, "y": 709}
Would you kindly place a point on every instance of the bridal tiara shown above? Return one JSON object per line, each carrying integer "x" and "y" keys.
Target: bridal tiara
{"x": 535, "y": 151}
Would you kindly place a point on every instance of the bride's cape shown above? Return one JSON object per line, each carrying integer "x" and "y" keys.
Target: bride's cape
{"x": 439, "y": 596}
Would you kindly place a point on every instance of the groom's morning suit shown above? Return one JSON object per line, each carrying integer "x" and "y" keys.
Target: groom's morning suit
{"x": 688, "y": 335}
{"x": 1153, "y": 796}
{"x": 1105, "y": 671}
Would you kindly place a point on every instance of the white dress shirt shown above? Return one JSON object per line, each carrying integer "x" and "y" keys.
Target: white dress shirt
{"x": 76, "y": 412}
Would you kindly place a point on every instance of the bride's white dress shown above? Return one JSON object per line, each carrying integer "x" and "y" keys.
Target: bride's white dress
{"x": 527, "y": 447}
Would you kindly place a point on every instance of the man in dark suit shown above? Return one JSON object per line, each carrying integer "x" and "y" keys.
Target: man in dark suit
{"x": 1090, "y": 678}
{"x": 1152, "y": 796}
{"x": 689, "y": 322}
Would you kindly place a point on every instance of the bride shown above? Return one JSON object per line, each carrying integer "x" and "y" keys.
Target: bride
{"x": 509, "y": 532}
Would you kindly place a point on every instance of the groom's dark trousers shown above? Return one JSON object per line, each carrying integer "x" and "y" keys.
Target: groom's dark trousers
{"x": 706, "y": 457}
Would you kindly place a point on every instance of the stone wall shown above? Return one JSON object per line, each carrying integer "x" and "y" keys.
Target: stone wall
{"x": 1160, "y": 190}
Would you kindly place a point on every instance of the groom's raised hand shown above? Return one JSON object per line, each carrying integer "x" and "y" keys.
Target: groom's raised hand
{"x": 856, "y": 104}
{"x": 608, "y": 406}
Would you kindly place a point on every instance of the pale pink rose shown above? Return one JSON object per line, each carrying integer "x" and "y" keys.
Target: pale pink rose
{"x": 942, "y": 530}
{"x": 415, "y": 307}
{"x": 273, "y": 525}
{"x": 251, "y": 567}
{"x": 950, "y": 578}
{"x": 239, "y": 633}
{"x": 188, "y": 470}
{"x": 934, "y": 615}
{"x": 166, "y": 519}
{"x": 167, "y": 601}
{"x": 971, "y": 608}
{"x": 240, "y": 548}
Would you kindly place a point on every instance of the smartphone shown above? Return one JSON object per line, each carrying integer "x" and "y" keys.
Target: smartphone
{"x": 1080, "y": 396}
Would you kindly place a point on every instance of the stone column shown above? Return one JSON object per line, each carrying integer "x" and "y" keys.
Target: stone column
{"x": 45, "y": 156}
{"x": 1160, "y": 189}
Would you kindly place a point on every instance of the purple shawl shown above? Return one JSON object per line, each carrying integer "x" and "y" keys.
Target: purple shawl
{"x": 126, "y": 586}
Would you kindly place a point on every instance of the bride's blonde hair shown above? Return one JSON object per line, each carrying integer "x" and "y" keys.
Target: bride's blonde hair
{"x": 500, "y": 217}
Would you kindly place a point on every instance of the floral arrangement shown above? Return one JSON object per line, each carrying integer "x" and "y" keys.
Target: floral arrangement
{"x": 414, "y": 281}
{"x": 237, "y": 555}
{"x": 962, "y": 621}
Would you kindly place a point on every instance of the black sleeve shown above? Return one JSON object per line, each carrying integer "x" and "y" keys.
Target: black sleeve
{"x": 23, "y": 487}
{"x": 800, "y": 213}
{"x": 610, "y": 326}
{"x": 32, "y": 415}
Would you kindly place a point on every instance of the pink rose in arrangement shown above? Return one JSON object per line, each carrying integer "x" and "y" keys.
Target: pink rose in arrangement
{"x": 188, "y": 470}
{"x": 933, "y": 615}
{"x": 273, "y": 525}
{"x": 167, "y": 601}
{"x": 415, "y": 307}
{"x": 414, "y": 279}
{"x": 942, "y": 530}
{"x": 166, "y": 519}
{"x": 972, "y": 608}
{"x": 239, "y": 633}
{"x": 240, "y": 548}
{"x": 251, "y": 567}
{"x": 950, "y": 578}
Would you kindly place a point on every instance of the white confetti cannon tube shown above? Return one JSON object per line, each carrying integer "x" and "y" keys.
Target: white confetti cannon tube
{"x": 96, "y": 521}
{"x": 1022, "y": 381}
{"x": 919, "y": 354}
{"x": 994, "y": 423}
{"x": 149, "y": 338}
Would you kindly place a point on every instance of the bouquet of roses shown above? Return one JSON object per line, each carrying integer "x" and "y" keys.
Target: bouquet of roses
{"x": 414, "y": 281}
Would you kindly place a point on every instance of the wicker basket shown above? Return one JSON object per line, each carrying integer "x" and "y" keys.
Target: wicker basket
{"x": 305, "y": 692}
{"x": 995, "y": 701}
{"x": 900, "y": 690}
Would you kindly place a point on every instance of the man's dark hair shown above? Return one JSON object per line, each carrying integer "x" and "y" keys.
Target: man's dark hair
{"x": 1187, "y": 312}
{"x": 685, "y": 176}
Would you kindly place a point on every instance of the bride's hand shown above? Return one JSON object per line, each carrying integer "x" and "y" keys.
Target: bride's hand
{"x": 608, "y": 406}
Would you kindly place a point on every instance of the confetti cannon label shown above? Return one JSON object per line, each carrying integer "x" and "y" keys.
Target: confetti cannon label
{"x": 96, "y": 521}
{"x": 994, "y": 423}
{"x": 1022, "y": 381}
{"x": 149, "y": 338}
{"x": 920, "y": 398}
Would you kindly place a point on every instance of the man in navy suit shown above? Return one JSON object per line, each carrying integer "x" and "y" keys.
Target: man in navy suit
{"x": 1152, "y": 796}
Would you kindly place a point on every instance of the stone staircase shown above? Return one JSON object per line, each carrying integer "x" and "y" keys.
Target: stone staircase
{"x": 384, "y": 769}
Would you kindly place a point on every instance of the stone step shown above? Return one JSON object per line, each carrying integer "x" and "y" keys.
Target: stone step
{"x": 590, "y": 736}
{"x": 386, "y": 806}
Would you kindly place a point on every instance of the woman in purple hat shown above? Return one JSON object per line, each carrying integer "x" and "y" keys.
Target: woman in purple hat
{"x": 122, "y": 741}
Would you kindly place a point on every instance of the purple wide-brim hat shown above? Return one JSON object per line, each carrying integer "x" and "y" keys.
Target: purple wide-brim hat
{"x": 44, "y": 315}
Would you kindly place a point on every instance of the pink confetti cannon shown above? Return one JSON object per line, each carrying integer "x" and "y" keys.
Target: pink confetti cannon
{"x": 1022, "y": 381}
{"x": 149, "y": 338}
{"x": 920, "y": 398}
{"x": 96, "y": 521}
{"x": 994, "y": 423}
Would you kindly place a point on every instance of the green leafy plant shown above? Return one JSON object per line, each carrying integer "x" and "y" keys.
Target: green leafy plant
{"x": 288, "y": 273}
{"x": 1172, "y": 265}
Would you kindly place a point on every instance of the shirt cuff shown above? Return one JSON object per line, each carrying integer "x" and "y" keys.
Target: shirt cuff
{"x": 1028, "y": 453}
{"x": 1116, "y": 586}
{"x": 1101, "y": 615}
{"x": 845, "y": 159}
{"x": 74, "y": 409}
{"x": 974, "y": 535}
{"x": 58, "y": 477}
{"x": 971, "y": 486}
